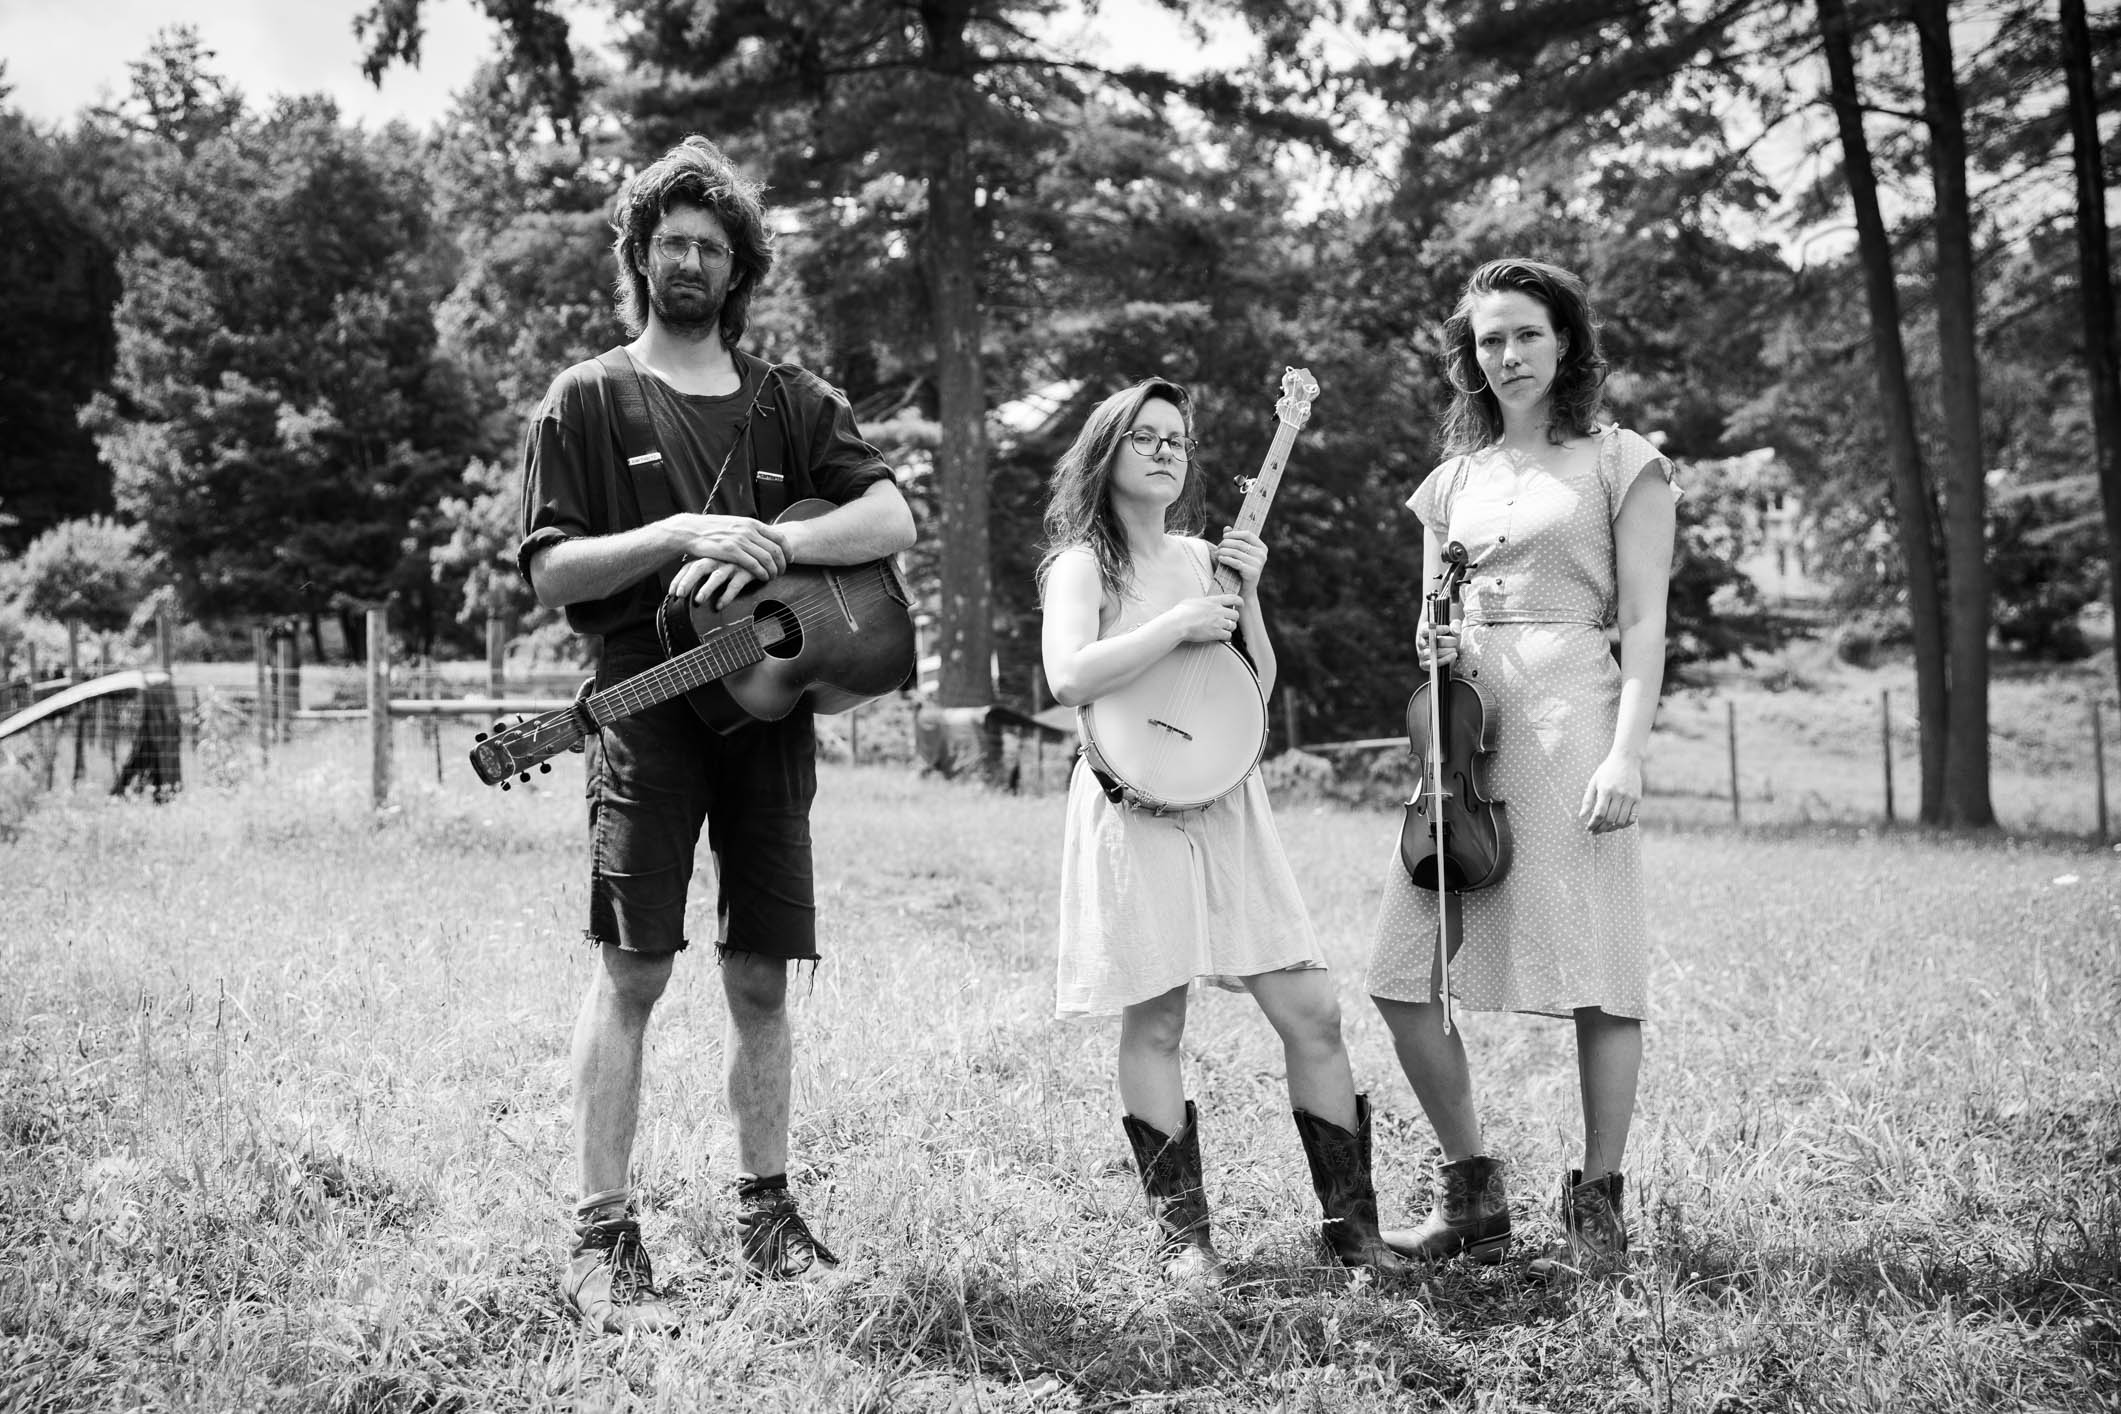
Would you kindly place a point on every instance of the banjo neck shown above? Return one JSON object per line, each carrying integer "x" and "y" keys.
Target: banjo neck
{"x": 1298, "y": 388}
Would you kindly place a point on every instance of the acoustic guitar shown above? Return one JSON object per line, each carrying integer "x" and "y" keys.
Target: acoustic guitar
{"x": 1187, "y": 731}
{"x": 834, "y": 636}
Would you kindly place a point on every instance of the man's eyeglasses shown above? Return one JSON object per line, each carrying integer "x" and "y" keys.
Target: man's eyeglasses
{"x": 713, "y": 254}
{"x": 1148, "y": 443}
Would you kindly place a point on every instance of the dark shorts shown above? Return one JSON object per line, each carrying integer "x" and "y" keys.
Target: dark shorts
{"x": 654, "y": 779}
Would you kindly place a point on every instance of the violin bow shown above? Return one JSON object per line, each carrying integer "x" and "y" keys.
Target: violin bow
{"x": 1454, "y": 573}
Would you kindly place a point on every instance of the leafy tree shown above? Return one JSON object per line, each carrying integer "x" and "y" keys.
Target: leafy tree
{"x": 93, "y": 572}
{"x": 484, "y": 528}
{"x": 1909, "y": 477}
{"x": 58, "y": 282}
{"x": 280, "y": 417}
{"x": 2095, "y": 277}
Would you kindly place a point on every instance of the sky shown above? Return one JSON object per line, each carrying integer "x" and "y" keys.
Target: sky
{"x": 66, "y": 55}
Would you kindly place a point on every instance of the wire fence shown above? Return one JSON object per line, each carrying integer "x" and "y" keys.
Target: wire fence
{"x": 1725, "y": 760}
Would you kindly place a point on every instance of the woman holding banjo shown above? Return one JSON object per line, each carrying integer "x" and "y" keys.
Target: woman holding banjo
{"x": 1156, "y": 894}
{"x": 1563, "y": 535}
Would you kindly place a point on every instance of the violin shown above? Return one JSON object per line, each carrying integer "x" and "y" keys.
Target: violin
{"x": 1455, "y": 837}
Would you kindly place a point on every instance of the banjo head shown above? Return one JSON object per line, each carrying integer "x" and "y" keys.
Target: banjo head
{"x": 1185, "y": 733}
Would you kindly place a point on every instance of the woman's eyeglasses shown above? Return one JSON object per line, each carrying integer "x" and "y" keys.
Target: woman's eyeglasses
{"x": 1148, "y": 443}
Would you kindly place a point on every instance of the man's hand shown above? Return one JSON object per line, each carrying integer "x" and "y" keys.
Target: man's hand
{"x": 725, "y": 555}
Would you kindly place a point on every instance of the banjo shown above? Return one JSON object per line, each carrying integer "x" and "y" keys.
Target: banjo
{"x": 1189, "y": 729}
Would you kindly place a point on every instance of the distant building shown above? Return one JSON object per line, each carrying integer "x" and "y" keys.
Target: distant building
{"x": 1779, "y": 539}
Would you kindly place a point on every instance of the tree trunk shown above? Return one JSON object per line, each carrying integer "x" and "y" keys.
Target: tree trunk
{"x": 2095, "y": 278}
{"x": 1966, "y": 797}
{"x": 965, "y": 638}
{"x": 1915, "y": 515}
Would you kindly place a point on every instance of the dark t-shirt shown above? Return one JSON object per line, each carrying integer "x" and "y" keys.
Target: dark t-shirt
{"x": 574, "y": 468}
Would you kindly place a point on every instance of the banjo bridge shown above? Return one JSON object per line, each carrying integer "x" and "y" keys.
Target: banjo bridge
{"x": 1175, "y": 731}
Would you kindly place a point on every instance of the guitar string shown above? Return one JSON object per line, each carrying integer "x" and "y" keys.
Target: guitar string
{"x": 645, "y": 690}
{"x": 808, "y": 611}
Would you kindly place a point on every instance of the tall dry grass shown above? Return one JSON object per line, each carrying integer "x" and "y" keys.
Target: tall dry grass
{"x": 283, "y": 1126}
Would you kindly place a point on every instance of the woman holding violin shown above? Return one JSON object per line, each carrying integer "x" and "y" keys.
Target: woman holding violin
{"x": 1566, "y": 528}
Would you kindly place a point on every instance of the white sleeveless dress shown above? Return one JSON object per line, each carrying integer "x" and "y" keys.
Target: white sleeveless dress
{"x": 1151, "y": 902}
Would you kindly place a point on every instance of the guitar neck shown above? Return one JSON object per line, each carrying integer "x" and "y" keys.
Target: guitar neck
{"x": 728, "y": 650}
{"x": 1259, "y": 498}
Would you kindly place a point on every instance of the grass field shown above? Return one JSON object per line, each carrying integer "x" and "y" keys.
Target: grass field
{"x": 283, "y": 1126}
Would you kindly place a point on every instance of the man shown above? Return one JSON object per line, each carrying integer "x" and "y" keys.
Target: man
{"x": 601, "y": 537}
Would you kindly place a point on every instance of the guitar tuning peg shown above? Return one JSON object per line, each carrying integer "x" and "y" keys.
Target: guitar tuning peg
{"x": 544, "y": 768}
{"x": 506, "y": 784}
{"x": 478, "y": 736}
{"x": 524, "y": 777}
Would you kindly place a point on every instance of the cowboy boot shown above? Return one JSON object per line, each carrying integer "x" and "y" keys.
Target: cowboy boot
{"x": 1171, "y": 1177}
{"x": 1471, "y": 1215}
{"x": 1340, "y": 1175}
{"x": 1595, "y": 1239}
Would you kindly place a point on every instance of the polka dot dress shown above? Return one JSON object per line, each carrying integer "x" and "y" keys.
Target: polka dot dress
{"x": 1565, "y": 928}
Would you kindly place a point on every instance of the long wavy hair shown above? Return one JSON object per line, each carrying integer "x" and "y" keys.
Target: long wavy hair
{"x": 1079, "y": 505}
{"x": 694, "y": 173}
{"x": 1573, "y": 401}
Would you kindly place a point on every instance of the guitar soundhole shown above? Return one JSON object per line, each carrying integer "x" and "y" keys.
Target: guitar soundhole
{"x": 780, "y": 631}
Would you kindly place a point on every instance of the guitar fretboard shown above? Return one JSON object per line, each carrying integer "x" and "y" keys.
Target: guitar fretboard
{"x": 729, "y": 649}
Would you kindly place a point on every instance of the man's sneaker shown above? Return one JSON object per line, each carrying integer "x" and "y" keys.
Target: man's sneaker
{"x": 774, "y": 1241}
{"x": 609, "y": 1284}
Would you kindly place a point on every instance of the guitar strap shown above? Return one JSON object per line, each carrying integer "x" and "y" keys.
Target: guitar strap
{"x": 764, "y": 435}
{"x": 767, "y": 439}
{"x": 644, "y": 462}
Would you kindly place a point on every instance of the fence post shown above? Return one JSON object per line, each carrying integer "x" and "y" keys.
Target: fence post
{"x": 1292, "y": 713}
{"x": 165, "y": 639}
{"x": 265, "y": 699}
{"x": 1730, "y": 720}
{"x": 2099, "y": 770}
{"x": 32, "y": 647}
{"x": 379, "y": 706}
{"x": 1038, "y": 738}
{"x": 1885, "y": 741}
{"x": 105, "y": 721}
{"x": 73, "y": 651}
{"x": 496, "y": 656}
{"x": 427, "y": 683}
{"x": 287, "y": 688}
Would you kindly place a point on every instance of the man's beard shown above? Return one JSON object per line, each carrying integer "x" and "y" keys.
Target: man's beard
{"x": 689, "y": 310}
